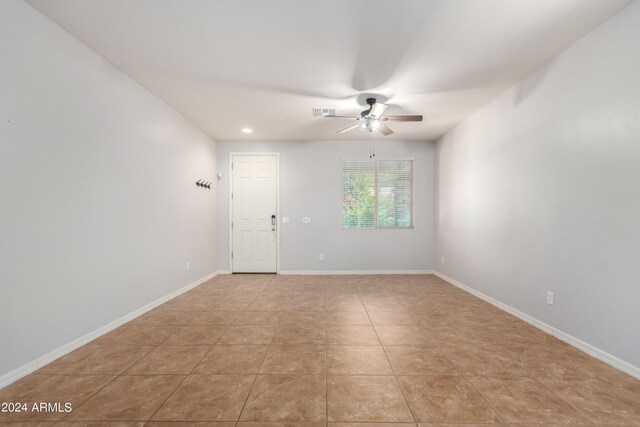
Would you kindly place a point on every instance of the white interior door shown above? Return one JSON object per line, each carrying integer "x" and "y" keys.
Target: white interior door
{"x": 254, "y": 220}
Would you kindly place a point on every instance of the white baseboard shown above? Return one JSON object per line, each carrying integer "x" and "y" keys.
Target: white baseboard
{"x": 224, "y": 271}
{"x": 347, "y": 272}
{"x": 599, "y": 354}
{"x": 41, "y": 361}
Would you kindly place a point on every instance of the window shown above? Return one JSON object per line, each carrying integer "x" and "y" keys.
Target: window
{"x": 377, "y": 193}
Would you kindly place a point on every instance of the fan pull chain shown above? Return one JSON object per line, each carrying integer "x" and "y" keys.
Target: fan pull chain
{"x": 372, "y": 152}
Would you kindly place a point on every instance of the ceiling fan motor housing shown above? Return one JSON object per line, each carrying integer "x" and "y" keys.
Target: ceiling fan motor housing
{"x": 370, "y": 102}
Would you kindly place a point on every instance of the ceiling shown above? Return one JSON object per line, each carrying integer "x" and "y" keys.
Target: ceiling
{"x": 229, "y": 64}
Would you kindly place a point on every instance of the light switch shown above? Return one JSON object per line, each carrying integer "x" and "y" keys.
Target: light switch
{"x": 306, "y": 220}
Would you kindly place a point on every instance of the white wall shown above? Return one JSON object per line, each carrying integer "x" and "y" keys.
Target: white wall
{"x": 311, "y": 185}
{"x": 540, "y": 190}
{"x": 98, "y": 208}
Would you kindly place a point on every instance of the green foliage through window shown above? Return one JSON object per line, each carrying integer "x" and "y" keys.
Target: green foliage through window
{"x": 377, "y": 193}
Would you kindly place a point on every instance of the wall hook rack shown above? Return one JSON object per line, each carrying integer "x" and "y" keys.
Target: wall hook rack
{"x": 204, "y": 184}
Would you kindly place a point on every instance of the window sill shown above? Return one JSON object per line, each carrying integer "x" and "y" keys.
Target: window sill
{"x": 380, "y": 228}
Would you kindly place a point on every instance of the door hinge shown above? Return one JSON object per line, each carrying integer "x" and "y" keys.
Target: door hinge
{"x": 231, "y": 254}
{"x": 231, "y": 165}
{"x": 231, "y": 196}
{"x": 232, "y": 225}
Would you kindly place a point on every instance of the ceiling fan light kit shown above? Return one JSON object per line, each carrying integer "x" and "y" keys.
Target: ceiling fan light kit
{"x": 371, "y": 120}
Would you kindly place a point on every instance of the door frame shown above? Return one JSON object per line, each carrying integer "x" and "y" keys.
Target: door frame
{"x": 253, "y": 153}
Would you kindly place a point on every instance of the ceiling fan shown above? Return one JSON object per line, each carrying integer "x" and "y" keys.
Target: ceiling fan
{"x": 372, "y": 119}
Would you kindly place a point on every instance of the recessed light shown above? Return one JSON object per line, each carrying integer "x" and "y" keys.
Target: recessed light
{"x": 247, "y": 130}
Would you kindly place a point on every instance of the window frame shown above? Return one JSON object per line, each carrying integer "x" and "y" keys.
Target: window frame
{"x": 376, "y": 190}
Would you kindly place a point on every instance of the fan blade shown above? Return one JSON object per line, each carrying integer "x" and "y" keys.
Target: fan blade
{"x": 377, "y": 109}
{"x": 357, "y": 125}
{"x": 343, "y": 117}
{"x": 410, "y": 118}
{"x": 384, "y": 129}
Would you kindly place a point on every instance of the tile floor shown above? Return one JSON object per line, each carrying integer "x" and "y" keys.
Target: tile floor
{"x": 263, "y": 350}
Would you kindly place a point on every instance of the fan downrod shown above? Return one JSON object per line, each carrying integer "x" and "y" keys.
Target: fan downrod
{"x": 370, "y": 102}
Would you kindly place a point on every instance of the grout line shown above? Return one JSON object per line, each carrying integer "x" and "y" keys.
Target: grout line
{"x": 108, "y": 383}
{"x": 583, "y": 413}
{"x": 135, "y": 362}
{"x": 255, "y": 378}
{"x": 181, "y": 382}
{"x": 179, "y": 385}
{"x": 326, "y": 361}
{"x": 392, "y": 370}
{"x": 495, "y": 411}
{"x": 87, "y": 399}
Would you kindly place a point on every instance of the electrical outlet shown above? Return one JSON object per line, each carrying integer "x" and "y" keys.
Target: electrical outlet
{"x": 550, "y": 298}
{"x": 443, "y": 260}
{"x": 188, "y": 266}
{"x": 321, "y": 257}
{"x": 285, "y": 220}
{"x": 306, "y": 220}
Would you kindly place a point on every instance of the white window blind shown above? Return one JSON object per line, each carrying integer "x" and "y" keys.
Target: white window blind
{"x": 377, "y": 193}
